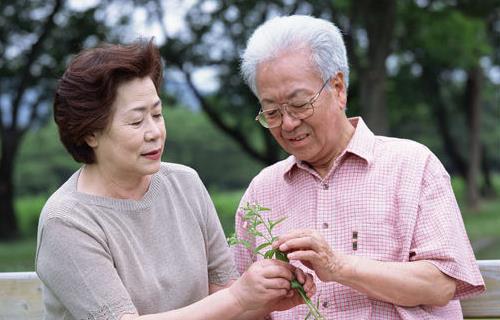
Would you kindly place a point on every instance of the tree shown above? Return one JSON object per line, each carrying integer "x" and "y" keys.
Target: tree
{"x": 437, "y": 30}
{"x": 408, "y": 32}
{"x": 36, "y": 38}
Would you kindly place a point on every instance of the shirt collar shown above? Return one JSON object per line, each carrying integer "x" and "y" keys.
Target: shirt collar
{"x": 361, "y": 144}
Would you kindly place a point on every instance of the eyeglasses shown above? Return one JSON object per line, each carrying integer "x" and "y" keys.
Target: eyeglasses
{"x": 271, "y": 115}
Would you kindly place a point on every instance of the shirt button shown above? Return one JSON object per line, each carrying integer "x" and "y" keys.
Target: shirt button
{"x": 325, "y": 304}
{"x": 325, "y": 186}
{"x": 325, "y": 225}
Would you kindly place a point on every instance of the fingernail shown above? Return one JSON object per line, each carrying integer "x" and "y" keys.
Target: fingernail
{"x": 283, "y": 247}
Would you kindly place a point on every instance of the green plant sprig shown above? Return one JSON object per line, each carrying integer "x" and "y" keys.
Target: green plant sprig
{"x": 254, "y": 218}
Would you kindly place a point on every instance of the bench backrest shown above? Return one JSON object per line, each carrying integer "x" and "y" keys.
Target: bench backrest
{"x": 21, "y": 295}
{"x": 488, "y": 304}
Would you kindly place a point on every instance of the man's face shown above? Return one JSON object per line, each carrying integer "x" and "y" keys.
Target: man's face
{"x": 291, "y": 77}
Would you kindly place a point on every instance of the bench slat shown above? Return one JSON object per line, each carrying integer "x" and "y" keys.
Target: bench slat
{"x": 486, "y": 305}
{"x": 20, "y": 296}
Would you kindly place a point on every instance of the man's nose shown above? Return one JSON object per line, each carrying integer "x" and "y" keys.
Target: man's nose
{"x": 288, "y": 123}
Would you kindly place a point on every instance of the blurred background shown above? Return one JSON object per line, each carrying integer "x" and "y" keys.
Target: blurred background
{"x": 420, "y": 69}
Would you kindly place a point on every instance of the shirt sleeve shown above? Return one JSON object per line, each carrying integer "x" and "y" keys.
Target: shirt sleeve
{"x": 221, "y": 268}
{"x": 440, "y": 236}
{"x": 76, "y": 268}
{"x": 243, "y": 256}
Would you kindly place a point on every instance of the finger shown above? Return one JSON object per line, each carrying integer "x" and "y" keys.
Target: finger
{"x": 304, "y": 255}
{"x": 309, "y": 285}
{"x": 299, "y": 275}
{"x": 277, "y": 284}
{"x": 297, "y": 233}
{"x": 271, "y": 294}
{"x": 277, "y": 271}
{"x": 303, "y": 243}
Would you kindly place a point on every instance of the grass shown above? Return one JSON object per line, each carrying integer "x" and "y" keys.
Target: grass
{"x": 483, "y": 226}
{"x": 226, "y": 204}
{"x": 18, "y": 255}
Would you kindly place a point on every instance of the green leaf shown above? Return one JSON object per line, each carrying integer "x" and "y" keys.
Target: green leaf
{"x": 269, "y": 254}
{"x": 245, "y": 243}
{"x": 262, "y": 246}
{"x": 281, "y": 256}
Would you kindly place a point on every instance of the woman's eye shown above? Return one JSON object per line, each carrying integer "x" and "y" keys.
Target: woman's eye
{"x": 159, "y": 115}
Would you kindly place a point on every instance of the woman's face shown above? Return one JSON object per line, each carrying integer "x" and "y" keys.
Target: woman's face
{"x": 133, "y": 142}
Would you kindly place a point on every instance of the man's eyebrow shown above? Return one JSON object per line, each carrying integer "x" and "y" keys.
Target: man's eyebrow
{"x": 291, "y": 95}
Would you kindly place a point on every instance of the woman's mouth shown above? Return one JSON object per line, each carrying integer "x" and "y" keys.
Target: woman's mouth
{"x": 153, "y": 155}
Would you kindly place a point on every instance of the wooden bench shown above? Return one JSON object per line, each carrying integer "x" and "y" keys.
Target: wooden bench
{"x": 21, "y": 295}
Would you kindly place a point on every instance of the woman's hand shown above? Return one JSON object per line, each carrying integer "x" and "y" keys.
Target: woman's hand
{"x": 293, "y": 299}
{"x": 312, "y": 250}
{"x": 265, "y": 281}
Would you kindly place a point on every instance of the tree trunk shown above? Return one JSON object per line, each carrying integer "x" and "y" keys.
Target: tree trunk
{"x": 487, "y": 189}
{"x": 473, "y": 107}
{"x": 8, "y": 226}
{"x": 380, "y": 17}
{"x": 431, "y": 87}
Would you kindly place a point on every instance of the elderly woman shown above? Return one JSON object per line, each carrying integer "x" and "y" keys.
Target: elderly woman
{"x": 128, "y": 235}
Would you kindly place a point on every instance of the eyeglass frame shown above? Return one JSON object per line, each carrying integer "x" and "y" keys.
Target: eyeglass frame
{"x": 283, "y": 107}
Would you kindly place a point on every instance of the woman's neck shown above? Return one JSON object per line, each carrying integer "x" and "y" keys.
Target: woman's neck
{"x": 96, "y": 181}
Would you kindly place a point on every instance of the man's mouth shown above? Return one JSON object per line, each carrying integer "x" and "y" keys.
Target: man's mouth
{"x": 298, "y": 138}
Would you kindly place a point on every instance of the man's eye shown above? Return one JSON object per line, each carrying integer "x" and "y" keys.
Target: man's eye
{"x": 272, "y": 113}
{"x": 136, "y": 123}
{"x": 297, "y": 105}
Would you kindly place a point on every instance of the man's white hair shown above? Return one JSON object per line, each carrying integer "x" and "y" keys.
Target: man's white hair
{"x": 296, "y": 32}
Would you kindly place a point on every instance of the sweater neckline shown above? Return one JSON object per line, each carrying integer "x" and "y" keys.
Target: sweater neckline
{"x": 115, "y": 203}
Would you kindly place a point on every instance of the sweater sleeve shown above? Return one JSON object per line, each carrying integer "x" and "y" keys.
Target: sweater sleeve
{"x": 77, "y": 270}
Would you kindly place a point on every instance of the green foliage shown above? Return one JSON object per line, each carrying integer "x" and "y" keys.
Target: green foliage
{"x": 194, "y": 141}
{"x": 43, "y": 163}
{"x": 446, "y": 32}
{"x": 29, "y": 209}
{"x": 17, "y": 255}
{"x": 226, "y": 204}
{"x": 254, "y": 217}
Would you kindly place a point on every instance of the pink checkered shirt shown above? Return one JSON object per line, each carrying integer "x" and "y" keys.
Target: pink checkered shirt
{"x": 396, "y": 195}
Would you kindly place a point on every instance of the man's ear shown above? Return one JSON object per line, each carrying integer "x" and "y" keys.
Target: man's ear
{"x": 339, "y": 89}
{"x": 91, "y": 140}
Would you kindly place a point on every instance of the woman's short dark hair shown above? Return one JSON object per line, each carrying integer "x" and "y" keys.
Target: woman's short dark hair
{"x": 86, "y": 92}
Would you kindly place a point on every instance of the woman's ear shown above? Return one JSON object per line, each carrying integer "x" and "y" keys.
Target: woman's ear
{"x": 91, "y": 140}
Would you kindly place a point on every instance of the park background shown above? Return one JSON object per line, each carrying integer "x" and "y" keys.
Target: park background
{"x": 420, "y": 69}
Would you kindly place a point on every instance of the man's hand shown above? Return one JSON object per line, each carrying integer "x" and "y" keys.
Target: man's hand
{"x": 311, "y": 249}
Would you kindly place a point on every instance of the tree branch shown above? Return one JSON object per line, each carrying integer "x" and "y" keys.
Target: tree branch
{"x": 31, "y": 58}
{"x": 34, "y": 116}
{"x": 235, "y": 134}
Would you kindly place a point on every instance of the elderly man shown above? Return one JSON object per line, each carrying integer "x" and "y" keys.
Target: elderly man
{"x": 374, "y": 217}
